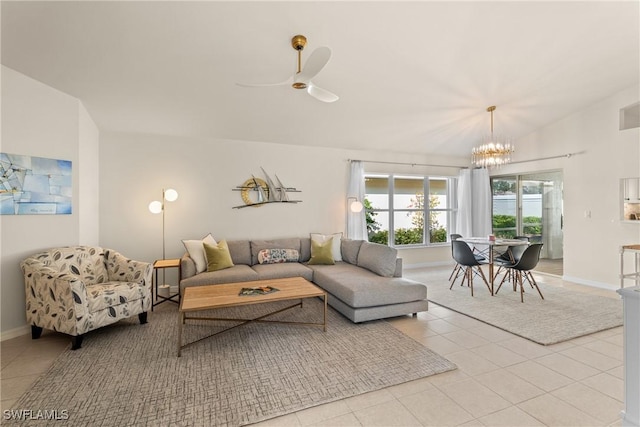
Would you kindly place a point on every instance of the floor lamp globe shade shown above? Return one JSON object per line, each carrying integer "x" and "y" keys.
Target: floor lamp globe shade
{"x": 155, "y": 207}
{"x": 356, "y": 206}
{"x": 170, "y": 195}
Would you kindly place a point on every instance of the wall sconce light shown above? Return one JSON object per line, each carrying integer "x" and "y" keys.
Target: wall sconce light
{"x": 355, "y": 206}
{"x": 156, "y": 207}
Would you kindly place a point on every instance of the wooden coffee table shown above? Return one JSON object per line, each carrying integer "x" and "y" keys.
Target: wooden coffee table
{"x": 199, "y": 298}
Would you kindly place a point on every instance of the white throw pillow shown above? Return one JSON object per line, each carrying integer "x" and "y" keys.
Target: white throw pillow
{"x": 335, "y": 247}
{"x": 196, "y": 251}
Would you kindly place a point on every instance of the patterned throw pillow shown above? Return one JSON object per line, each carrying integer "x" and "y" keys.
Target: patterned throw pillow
{"x": 275, "y": 256}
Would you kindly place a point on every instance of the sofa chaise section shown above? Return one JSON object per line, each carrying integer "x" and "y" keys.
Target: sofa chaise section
{"x": 362, "y": 295}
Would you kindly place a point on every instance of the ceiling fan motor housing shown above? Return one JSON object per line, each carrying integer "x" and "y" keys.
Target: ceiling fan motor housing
{"x": 299, "y": 42}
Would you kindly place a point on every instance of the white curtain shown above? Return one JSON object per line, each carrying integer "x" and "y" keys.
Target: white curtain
{"x": 464, "y": 224}
{"x": 356, "y": 222}
{"x": 474, "y": 203}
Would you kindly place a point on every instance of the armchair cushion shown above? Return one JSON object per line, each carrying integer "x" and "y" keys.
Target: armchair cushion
{"x": 111, "y": 294}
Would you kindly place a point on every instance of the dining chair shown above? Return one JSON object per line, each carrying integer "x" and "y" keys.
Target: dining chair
{"x": 456, "y": 267}
{"x": 510, "y": 256}
{"x": 469, "y": 265}
{"x": 522, "y": 269}
{"x": 481, "y": 258}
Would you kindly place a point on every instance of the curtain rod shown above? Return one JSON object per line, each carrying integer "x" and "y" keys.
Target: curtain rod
{"x": 405, "y": 164}
{"x": 568, "y": 155}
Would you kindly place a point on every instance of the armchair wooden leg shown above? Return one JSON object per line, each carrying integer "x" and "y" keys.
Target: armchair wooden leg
{"x": 76, "y": 342}
{"x": 143, "y": 318}
{"x": 36, "y": 331}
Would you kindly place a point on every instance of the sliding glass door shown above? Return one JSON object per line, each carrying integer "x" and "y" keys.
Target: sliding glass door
{"x": 530, "y": 205}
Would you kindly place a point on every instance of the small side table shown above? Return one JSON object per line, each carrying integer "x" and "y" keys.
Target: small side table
{"x": 160, "y": 264}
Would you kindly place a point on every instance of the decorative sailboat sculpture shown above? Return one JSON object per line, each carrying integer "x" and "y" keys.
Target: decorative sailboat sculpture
{"x": 272, "y": 194}
{"x": 257, "y": 192}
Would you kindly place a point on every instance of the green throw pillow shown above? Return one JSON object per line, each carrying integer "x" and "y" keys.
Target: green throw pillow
{"x": 321, "y": 253}
{"x": 218, "y": 256}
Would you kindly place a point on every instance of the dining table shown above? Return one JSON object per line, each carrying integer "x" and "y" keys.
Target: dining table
{"x": 488, "y": 246}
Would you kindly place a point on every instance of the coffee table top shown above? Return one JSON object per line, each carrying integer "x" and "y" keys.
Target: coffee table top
{"x": 226, "y": 295}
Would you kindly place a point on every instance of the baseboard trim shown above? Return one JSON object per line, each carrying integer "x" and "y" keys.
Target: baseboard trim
{"x": 573, "y": 279}
{"x": 591, "y": 283}
{"x": 428, "y": 264}
{"x": 16, "y": 332}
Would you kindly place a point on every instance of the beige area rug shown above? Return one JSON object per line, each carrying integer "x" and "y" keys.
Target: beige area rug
{"x": 128, "y": 374}
{"x": 561, "y": 316}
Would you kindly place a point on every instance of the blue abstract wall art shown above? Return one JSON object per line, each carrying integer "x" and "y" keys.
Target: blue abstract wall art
{"x": 35, "y": 185}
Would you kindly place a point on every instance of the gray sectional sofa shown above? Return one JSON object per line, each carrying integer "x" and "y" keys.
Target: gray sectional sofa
{"x": 366, "y": 284}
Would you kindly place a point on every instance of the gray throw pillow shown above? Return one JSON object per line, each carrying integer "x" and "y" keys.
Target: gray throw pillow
{"x": 240, "y": 251}
{"x": 350, "y": 249}
{"x": 305, "y": 249}
{"x": 380, "y": 259}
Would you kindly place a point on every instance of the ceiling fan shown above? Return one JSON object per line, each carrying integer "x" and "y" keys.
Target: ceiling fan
{"x": 302, "y": 78}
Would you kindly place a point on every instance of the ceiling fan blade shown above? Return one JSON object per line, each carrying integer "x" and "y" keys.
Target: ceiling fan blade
{"x": 316, "y": 62}
{"x": 289, "y": 81}
{"x": 321, "y": 94}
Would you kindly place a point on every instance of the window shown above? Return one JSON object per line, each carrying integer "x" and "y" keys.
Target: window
{"x": 530, "y": 205}
{"x": 396, "y": 209}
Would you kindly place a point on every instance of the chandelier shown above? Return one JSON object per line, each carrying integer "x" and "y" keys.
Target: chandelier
{"x": 495, "y": 150}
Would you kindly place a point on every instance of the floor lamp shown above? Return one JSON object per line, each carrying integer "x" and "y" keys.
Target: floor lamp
{"x": 156, "y": 207}
{"x": 354, "y": 206}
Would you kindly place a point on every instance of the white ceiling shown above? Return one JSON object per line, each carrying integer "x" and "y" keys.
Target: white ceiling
{"x": 412, "y": 77}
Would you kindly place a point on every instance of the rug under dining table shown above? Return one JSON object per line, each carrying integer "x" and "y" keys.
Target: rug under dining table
{"x": 562, "y": 315}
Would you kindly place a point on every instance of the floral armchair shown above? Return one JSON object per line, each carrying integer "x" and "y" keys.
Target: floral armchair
{"x": 81, "y": 288}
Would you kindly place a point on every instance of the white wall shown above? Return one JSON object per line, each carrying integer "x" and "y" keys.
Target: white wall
{"x": 591, "y": 183}
{"x": 88, "y": 186}
{"x": 135, "y": 168}
{"x": 40, "y": 121}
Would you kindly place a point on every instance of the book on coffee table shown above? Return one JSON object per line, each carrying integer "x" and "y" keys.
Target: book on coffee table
{"x": 262, "y": 290}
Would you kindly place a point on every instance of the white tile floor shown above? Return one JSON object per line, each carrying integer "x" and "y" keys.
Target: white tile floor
{"x": 501, "y": 380}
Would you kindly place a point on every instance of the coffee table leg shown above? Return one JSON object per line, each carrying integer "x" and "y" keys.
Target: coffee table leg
{"x": 325, "y": 313}
{"x": 181, "y": 322}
